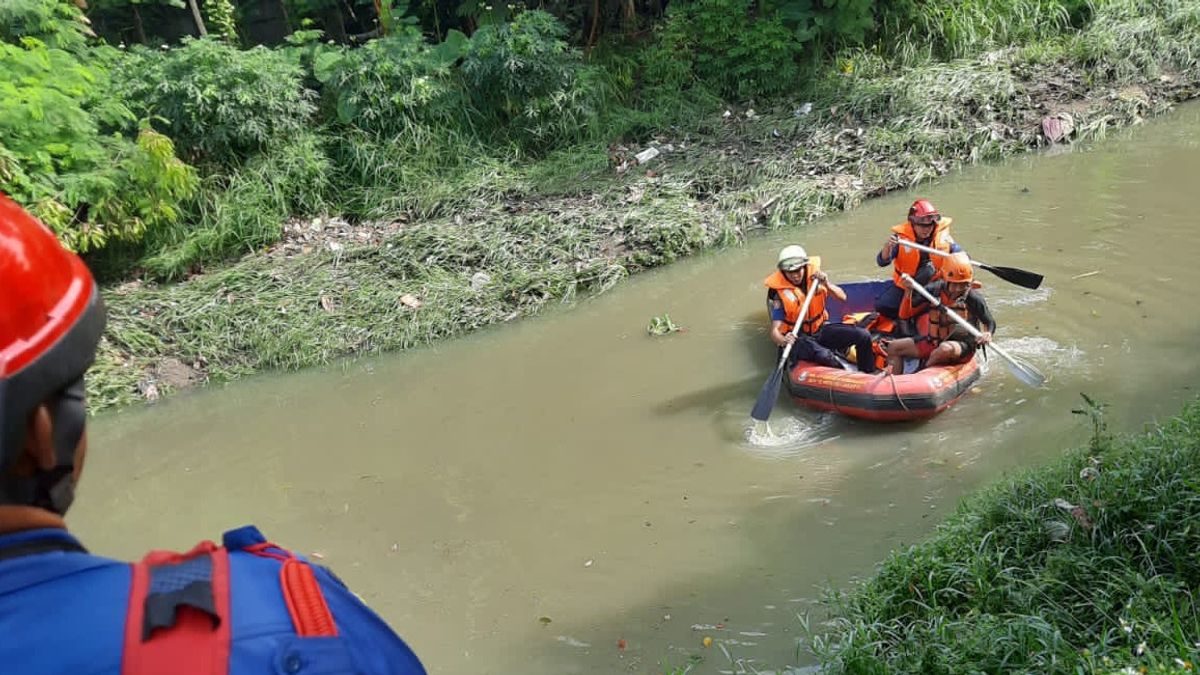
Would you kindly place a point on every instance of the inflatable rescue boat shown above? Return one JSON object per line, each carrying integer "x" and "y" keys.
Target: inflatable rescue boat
{"x": 877, "y": 396}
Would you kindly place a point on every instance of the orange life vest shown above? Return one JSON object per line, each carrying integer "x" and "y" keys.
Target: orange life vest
{"x": 936, "y": 326}
{"x": 908, "y": 259}
{"x": 792, "y": 298}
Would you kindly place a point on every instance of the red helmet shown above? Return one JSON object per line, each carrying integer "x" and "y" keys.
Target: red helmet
{"x": 51, "y": 319}
{"x": 923, "y": 212}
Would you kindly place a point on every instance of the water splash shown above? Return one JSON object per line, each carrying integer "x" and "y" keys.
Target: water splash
{"x": 789, "y": 436}
{"x": 1021, "y": 299}
{"x": 1041, "y": 352}
{"x": 1045, "y": 352}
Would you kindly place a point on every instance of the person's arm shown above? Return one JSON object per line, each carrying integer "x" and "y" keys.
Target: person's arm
{"x": 915, "y": 303}
{"x": 888, "y": 253}
{"x": 978, "y": 307}
{"x": 778, "y": 336}
{"x": 778, "y": 318}
{"x": 833, "y": 288}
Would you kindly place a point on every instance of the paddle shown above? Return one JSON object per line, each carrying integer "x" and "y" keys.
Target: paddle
{"x": 1021, "y": 370}
{"x": 1023, "y": 278}
{"x": 770, "y": 390}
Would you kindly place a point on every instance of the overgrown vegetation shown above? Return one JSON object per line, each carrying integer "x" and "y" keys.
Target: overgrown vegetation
{"x": 1088, "y": 565}
{"x": 172, "y": 159}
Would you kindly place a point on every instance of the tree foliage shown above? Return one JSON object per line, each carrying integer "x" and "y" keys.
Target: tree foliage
{"x": 68, "y": 149}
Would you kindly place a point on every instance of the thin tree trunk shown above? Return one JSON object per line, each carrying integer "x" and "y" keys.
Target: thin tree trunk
{"x": 287, "y": 20}
{"x": 195, "y": 5}
{"x": 595, "y": 24}
{"x": 139, "y": 29}
{"x": 335, "y": 24}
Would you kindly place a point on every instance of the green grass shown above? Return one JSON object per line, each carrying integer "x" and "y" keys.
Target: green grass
{"x": 1087, "y": 565}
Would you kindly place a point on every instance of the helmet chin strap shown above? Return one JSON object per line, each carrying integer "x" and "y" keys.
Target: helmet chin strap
{"x": 53, "y": 489}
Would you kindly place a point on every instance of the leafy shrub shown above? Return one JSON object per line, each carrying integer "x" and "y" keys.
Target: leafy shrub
{"x": 390, "y": 84}
{"x": 523, "y": 76}
{"x": 826, "y": 23}
{"x": 726, "y": 46}
{"x": 63, "y": 156}
{"x": 221, "y": 104}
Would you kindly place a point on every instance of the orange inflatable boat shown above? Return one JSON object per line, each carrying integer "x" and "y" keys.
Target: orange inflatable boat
{"x": 878, "y": 397}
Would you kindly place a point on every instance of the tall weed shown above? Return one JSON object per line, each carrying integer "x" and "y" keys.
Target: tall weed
{"x": 726, "y": 45}
{"x": 245, "y": 210}
{"x": 918, "y": 30}
{"x": 389, "y": 86}
{"x": 220, "y": 104}
{"x": 528, "y": 83}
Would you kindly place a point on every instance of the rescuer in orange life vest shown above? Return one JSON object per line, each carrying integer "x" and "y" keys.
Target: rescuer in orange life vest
{"x": 924, "y": 226}
{"x": 247, "y": 606}
{"x": 940, "y": 340}
{"x": 817, "y": 339}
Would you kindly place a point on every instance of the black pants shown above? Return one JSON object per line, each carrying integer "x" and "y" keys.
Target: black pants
{"x": 834, "y": 337}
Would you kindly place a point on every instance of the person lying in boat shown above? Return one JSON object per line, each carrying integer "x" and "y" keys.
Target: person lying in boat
{"x": 924, "y": 226}
{"x": 940, "y": 341}
{"x": 817, "y": 339}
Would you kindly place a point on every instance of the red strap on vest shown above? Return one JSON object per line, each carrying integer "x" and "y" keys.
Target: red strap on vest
{"x": 305, "y": 601}
{"x": 301, "y": 592}
{"x": 193, "y": 645}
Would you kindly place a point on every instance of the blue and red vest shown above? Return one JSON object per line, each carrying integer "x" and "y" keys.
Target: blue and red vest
{"x": 245, "y": 607}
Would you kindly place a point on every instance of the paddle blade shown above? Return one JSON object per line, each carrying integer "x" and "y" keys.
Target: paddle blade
{"x": 1023, "y": 278}
{"x": 766, "y": 397}
{"x": 1027, "y": 374}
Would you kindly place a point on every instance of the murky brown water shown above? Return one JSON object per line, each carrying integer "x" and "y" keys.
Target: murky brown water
{"x": 572, "y": 468}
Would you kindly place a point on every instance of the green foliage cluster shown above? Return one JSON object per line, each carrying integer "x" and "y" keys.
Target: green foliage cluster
{"x": 1085, "y": 566}
{"x": 58, "y": 25}
{"x": 221, "y": 105}
{"x": 948, "y": 29}
{"x": 70, "y": 151}
{"x": 725, "y": 45}
{"x": 220, "y": 21}
{"x": 525, "y": 79}
{"x": 391, "y": 84}
{"x": 394, "y": 123}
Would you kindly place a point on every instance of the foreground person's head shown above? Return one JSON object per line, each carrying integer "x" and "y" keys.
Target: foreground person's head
{"x": 51, "y": 319}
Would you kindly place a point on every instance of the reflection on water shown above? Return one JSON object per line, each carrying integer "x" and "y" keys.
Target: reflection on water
{"x": 569, "y": 495}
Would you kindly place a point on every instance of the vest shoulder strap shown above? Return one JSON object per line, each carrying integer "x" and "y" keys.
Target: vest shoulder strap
{"x": 178, "y": 620}
{"x": 178, "y": 617}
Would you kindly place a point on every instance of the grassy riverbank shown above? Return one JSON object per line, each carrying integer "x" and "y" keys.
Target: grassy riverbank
{"x": 488, "y": 241}
{"x": 1088, "y": 565}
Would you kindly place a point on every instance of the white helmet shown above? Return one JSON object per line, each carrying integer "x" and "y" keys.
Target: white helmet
{"x": 792, "y": 258}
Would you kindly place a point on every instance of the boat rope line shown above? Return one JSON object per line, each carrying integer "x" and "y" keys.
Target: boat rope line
{"x": 896, "y": 391}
